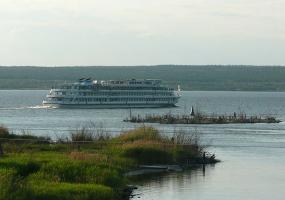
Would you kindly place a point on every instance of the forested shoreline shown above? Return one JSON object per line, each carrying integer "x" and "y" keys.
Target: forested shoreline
{"x": 189, "y": 77}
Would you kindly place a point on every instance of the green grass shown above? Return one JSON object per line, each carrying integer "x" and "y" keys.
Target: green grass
{"x": 34, "y": 187}
{"x": 57, "y": 176}
{"x": 67, "y": 191}
{"x": 43, "y": 171}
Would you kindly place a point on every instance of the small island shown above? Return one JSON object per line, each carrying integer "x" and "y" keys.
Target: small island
{"x": 90, "y": 164}
{"x": 200, "y": 118}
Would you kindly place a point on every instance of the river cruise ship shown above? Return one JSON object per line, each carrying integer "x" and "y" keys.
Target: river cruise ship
{"x": 134, "y": 93}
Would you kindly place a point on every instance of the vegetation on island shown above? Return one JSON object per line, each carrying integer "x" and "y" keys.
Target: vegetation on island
{"x": 200, "y": 118}
{"x": 90, "y": 164}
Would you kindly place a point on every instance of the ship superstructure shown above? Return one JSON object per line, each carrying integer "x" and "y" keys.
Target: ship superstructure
{"x": 88, "y": 93}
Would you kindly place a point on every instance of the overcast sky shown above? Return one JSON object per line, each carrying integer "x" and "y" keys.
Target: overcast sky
{"x": 142, "y": 32}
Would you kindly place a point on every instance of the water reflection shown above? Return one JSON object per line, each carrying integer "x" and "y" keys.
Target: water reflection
{"x": 166, "y": 186}
{"x": 244, "y": 173}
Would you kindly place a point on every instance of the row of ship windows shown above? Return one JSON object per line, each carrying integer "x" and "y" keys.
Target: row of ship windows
{"x": 125, "y": 93}
{"x": 118, "y": 93}
{"x": 122, "y": 99}
{"x": 90, "y": 87}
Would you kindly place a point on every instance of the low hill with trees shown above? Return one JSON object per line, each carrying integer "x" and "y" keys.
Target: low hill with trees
{"x": 190, "y": 77}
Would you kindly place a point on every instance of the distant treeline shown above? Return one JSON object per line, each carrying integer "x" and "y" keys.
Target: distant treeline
{"x": 189, "y": 77}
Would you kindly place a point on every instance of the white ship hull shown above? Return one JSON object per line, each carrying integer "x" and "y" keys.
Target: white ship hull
{"x": 108, "y": 106}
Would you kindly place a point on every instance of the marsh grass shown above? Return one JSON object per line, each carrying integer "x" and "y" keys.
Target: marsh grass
{"x": 36, "y": 171}
{"x": 90, "y": 131}
{"x": 144, "y": 133}
{"x": 146, "y": 145}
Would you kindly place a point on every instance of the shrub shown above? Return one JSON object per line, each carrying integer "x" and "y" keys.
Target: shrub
{"x": 184, "y": 154}
{"x": 82, "y": 134}
{"x": 4, "y": 132}
{"x": 149, "y": 155}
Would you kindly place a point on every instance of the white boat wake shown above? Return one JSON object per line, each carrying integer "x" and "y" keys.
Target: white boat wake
{"x": 40, "y": 107}
{"x": 27, "y": 107}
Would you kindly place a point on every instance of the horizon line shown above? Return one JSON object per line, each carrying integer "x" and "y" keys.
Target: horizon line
{"x": 160, "y": 65}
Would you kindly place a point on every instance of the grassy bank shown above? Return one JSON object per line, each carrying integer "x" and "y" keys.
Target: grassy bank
{"x": 94, "y": 169}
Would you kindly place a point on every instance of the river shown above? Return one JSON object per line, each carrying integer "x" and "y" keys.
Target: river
{"x": 253, "y": 155}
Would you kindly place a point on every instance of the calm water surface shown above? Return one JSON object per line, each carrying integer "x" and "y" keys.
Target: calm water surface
{"x": 253, "y": 155}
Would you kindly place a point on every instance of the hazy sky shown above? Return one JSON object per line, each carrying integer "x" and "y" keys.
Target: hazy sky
{"x": 135, "y": 32}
